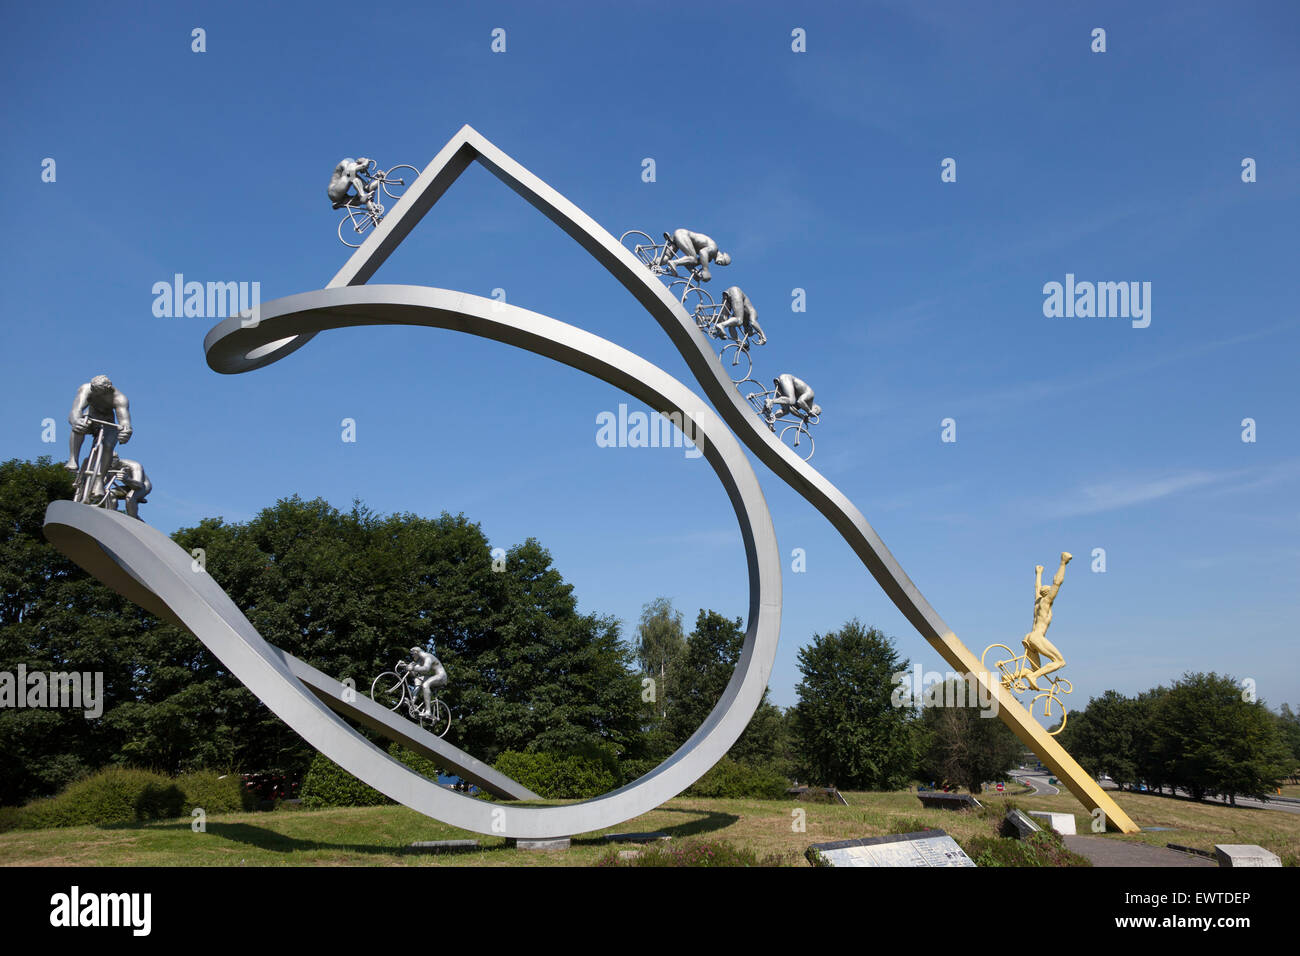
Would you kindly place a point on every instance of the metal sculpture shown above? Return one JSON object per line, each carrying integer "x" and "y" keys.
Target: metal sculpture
{"x": 117, "y": 552}
{"x": 100, "y": 409}
{"x": 355, "y": 185}
{"x": 1022, "y": 672}
{"x": 286, "y": 325}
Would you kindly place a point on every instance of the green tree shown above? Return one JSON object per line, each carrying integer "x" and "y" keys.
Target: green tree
{"x": 53, "y": 617}
{"x": 964, "y": 744}
{"x": 712, "y": 652}
{"x": 848, "y": 732}
{"x": 1210, "y": 740}
{"x": 1151, "y": 769}
{"x": 1103, "y": 739}
{"x": 348, "y": 592}
{"x": 1289, "y": 727}
{"x": 660, "y": 647}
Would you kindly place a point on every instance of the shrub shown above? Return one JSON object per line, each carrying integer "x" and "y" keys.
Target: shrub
{"x": 329, "y": 785}
{"x": 421, "y": 765}
{"x": 558, "y": 777}
{"x": 910, "y": 825}
{"x": 111, "y": 796}
{"x": 704, "y": 852}
{"x": 213, "y": 792}
{"x": 729, "y": 779}
{"x": 1045, "y": 848}
{"x": 630, "y": 770}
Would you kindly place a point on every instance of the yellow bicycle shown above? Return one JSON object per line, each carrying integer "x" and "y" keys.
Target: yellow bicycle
{"x": 1014, "y": 671}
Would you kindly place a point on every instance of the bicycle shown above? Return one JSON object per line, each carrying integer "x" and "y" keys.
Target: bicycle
{"x": 359, "y": 218}
{"x": 89, "y": 469}
{"x": 699, "y": 305}
{"x": 1015, "y": 671}
{"x": 792, "y": 432}
{"x": 655, "y": 256}
{"x": 739, "y": 349}
{"x": 392, "y": 689}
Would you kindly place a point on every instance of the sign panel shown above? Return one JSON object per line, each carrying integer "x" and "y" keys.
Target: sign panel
{"x": 926, "y": 848}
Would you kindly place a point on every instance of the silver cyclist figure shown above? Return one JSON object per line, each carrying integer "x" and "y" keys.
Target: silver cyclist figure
{"x": 741, "y": 317}
{"x": 697, "y": 249}
{"x": 350, "y": 174}
{"x": 430, "y": 674}
{"x": 133, "y": 485}
{"x": 790, "y": 396}
{"x": 98, "y": 402}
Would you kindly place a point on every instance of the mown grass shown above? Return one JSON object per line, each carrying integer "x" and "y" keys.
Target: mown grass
{"x": 380, "y": 836}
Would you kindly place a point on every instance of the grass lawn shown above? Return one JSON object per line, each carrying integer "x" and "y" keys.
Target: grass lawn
{"x": 378, "y": 836}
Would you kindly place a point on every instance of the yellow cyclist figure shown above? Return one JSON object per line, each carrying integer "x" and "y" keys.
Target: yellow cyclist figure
{"x": 1037, "y": 646}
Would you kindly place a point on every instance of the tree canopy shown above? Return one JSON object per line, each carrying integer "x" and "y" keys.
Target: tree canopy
{"x": 347, "y": 591}
{"x": 847, "y": 730}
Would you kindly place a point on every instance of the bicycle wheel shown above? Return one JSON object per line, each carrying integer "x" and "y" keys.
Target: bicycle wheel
{"x": 93, "y": 461}
{"x": 737, "y": 361}
{"x": 641, "y": 246}
{"x": 441, "y": 720}
{"x": 353, "y": 227}
{"x": 1044, "y": 705}
{"x": 699, "y": 306}
{"x": 397, "y": 179}
{"x": 801, "y": 437}
{"x": 389, "y": 690}
{"x": 998, "y": 665}
{"x": 682, "y": 288}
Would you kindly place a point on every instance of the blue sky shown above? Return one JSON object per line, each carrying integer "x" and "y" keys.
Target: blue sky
{"x": 818, "y": 170}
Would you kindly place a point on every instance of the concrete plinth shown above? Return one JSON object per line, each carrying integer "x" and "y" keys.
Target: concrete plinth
{"x": 1062, "y": 823}
{"x": 435, "y": 846}
{"x": 551, "y": 843}
{"x": 1023, "y": 825}
{"x": 1244, "y": 854}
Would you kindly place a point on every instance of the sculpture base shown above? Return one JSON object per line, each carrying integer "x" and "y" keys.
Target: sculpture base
{"x": 550, "y": 843}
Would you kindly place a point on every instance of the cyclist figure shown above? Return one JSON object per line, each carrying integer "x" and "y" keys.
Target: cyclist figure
{"x": 1037, "y": 646}
{"x": 791, "y": 396}
{"x": 136, "y": 485}
{"x": 98, "y": 399}
{"x": 741, "y": 315}
{"x": 347, "y": 176}
{"x": 699, "y": 251}
{"x": 428, "y": 667}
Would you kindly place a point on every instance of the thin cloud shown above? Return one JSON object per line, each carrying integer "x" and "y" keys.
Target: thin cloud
{"x": 1114, "y": 495}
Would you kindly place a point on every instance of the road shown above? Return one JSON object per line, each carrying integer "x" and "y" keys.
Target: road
{"x": 1037, "y": 780}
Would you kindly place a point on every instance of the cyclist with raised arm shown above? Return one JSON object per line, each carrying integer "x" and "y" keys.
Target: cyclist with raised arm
{"x": 98, "y": 401}
{"x": 1037, "y": 646}
{"x": 431, "y": 674}
{"x": 698, "y": 251}
{"x": 351, "y": 174}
